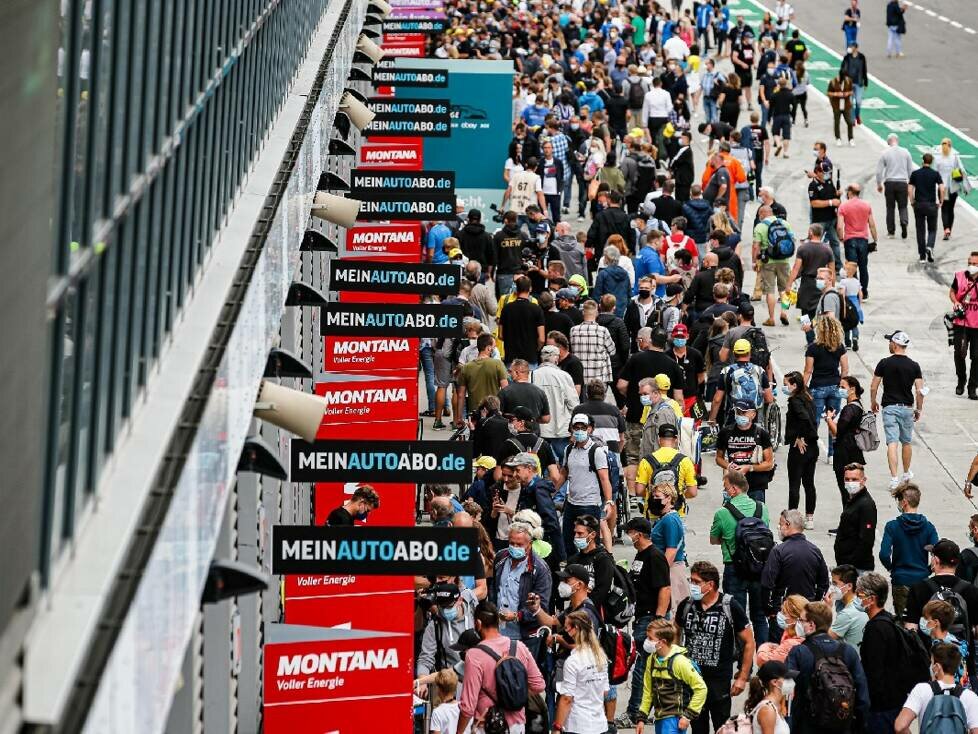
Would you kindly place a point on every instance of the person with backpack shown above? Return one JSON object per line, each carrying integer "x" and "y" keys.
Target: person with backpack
{"x": 935, "y": 624}
{"x": 903, "y": 550}
{"x": 673, "y": 691}
{"x": 665, "y": 464}
{"x": 715, "y": 630}
{"x": 500, "y": 673}
{"x": 586, "y": 471}
{"x": 831, "y": 694}
{"x": 536, "y": 493}
{"x": 944, "y": 585}
{"x": 649, "y": 572}
{"x": 846, "y": 428}
{"x": 743, "y": 381}
{"x": 589, "y": 553}
{"x": 741, "y": 527}
{"x": 894, "y": 659}
{"x": 746, "y": 447}
{"x": 857, "y": 524}
{"x": 941, "y": 705}
{"x": 773, "y": 245}
{"x": 525, "y": 436}
{"x": 584, "y": 684}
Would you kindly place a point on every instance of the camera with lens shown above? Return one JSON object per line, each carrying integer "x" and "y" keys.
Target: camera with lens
{"x": 531, "y": 259}
{"x": 498, "y": 216}
{"x": 949, "y": 323}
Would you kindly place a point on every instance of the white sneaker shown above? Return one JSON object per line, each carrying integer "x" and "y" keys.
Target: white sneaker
{"x": 810, "y": 522}
{"x": 907, "y": 476}
{"x": 852, "y": 143}
{"x": 838, "y": 142}
{"x": 894, "y": 482}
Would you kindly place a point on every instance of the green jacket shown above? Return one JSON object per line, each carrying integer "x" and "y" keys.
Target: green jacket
{"x": 672, "y": 687}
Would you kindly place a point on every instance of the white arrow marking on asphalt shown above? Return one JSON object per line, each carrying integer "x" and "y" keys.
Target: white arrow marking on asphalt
{"x": 875, "y": 103}
{"x": 901, "y": 126}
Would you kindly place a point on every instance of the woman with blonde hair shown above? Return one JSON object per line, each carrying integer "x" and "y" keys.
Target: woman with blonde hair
{"x": 955, "y": 177}
{"x": 584, "y": 683}
{"x": 789, "y": 613}
{"x": 826, "y": 362}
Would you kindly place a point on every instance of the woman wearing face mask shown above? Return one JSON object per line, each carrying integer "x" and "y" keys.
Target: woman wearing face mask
{"x": 788, "y": 615}
{"x": 669, "y": 536}
{"x": 584, "y": 683}
{"x": 767, "y": 701}
{"x": 801, "y": 435}
{"x": 843, "y": 427}
{"x": 826, "y": 362}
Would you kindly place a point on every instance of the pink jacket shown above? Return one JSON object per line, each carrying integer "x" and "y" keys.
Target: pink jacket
{"x": 479, "y": 683}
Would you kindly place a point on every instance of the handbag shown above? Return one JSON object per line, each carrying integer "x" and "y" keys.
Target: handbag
{"x": 957, "y": 174}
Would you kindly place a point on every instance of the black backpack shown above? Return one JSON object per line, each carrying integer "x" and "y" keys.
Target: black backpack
{"x": 760, "y": 354}
{"x": 636, "y": 95}
{"x": 619, "y": 605}
{"x": 512, "y": 684}
{"x": 667, "y": 472}
{"x": 831, "y": 690}
{"x": 961, "y": 626}
{"x": 753, "y": 542}
{"x": 848, "y": 316}
{"x": 914, "y": 659}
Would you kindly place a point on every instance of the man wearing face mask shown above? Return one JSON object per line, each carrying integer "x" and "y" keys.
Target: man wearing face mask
{"x": 964, "y": 305}
{"x": 692, "y": 363}
{"x": 746, "y": 447}
{"x": 586, "y": 471}
{"x": 850, "y": 617}
{"x": 903, "y": 550}
{"x": 795, "y": 566}
{"x": 521, "y": 577}
{"x": 364, "y": 500}
{"x": 649, "y": 572}
{"x": 453, "y": 610}
{"x": 857, "y": 523}
{"x": 814, "y": 627}
{"x": 715, "y": 630}
{"x": 592, "y": 555}
{"x": 945, "y": 661}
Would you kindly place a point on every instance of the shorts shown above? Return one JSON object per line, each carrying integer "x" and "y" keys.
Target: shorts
{"x": 774, "y": 278}
{"x": 632, "y": 453}
{"x": 781, "y": 125}
{"x": 669, "y": 725}
{"x": 746, "y": 77}
{"x": 443, "y": 370}
{"x": 898, "y": 424}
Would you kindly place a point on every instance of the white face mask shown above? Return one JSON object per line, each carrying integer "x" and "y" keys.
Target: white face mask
{"x": 800, "y": 629}
{"x": 788, "y": 687}
{"x": 564, "y": 590}
{"x": 648, "y": 646}
{"x": 853, "y": 487}
{"x": 973, "y": 270}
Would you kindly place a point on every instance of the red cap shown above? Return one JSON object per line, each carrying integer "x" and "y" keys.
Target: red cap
{"x": 680, "y": 330}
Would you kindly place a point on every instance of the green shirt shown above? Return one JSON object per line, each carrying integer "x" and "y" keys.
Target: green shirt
{"x": 481, "y": 378}
{"x": 760, "y": 236}
{"x": 638, "y": 37}
{"x": 725, "y": 527}
{"x": 849, "y": 623}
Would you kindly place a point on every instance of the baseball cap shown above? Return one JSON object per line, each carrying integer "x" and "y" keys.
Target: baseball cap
{"x": 639, "y": 525}
{"x": 744, "y": 405}
{"x": 523, "y": 458}
{"x": 569, "y": 293}
{"x": 466, "y": 640}
{"x": 899, "y": 337}
{"x": 662, "y": 382}
{"x": 673, "y": 289}
{"x": 485, "y": 462}
{"x": 445, "y": 594}
{"x": 475, "y": 215}
{"x": 741, "y": 346}
{"x": 454, "y": 252}
{"x": 549, "y": 350}
{"x": 575, "y": 571}
{"x": 680, "y": 330}
{"x": 667, "y": 430}
{"x": 946, "y": 551}
{"x": 522, "y": 413}
{"x": 579, "y": 418}
{"x": 746, "y": 310}
{"x": 775, "y": 669}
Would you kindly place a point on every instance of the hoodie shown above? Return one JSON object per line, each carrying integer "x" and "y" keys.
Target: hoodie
{"x": 902, "y": 548}
{"x": 729, "y": 259}
{"x": 434, "y": 656}
{"x": 672, "y": 686}
{"x": 571, "y": 254}
{"x": 508, "y": 244}
{"x": 648, "y": 262}
{"x": 614, "y": 280}
{"x": 698, "y": 213}
{"x": 476, "y": 243}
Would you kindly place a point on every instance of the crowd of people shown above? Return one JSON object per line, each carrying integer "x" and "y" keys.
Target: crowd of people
{"x": 607, "y": 356}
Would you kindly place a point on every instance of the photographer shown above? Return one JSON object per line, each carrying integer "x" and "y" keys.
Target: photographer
{"x": 538, "y": 252}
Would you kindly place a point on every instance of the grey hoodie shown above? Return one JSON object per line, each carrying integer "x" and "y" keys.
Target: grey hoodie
{"x": 571, "y": 254}
{"x": 450, "y": 632}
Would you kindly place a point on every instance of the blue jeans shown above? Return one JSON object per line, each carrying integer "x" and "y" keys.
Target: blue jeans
{"x": 857, "y": 100}
{"x": 669, "y": 725}
{"x": 832, "y": 240}
{"x": 826, "y": 397}
{"x": 427, "y": 356}
{"x": 559, "y": 446}
{"x": 744, "y": 592}
{"x": 710, "y": 110}
{"x": 857, "y": 251}
{"x": 638, "y": 670}
{"x": 568, "y": 178}
{"x": 504, "y": 283}
{"x": 851, "y": 34}
{"x": 894, "y": 41}
{"x": 571, "y": 513}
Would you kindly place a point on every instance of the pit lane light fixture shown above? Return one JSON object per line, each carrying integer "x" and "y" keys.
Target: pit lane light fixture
{"x": 371, "y": 52}
{"x": 299, "y": 413}
{"x": 227, "y": 579}
{"x": 358, "y": 112}
{"x": 259, "y": 458}
{"x": 337, "y": 210}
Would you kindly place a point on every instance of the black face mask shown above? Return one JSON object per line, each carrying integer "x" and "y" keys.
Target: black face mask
{"x": 656, "y": 506}
{"x": 644, "y": 294}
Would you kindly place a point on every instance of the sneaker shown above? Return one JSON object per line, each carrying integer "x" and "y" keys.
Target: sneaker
{"x": 852, "y": 143}
{"x": 625, "y": 721}
{"x": 784, "y": 320}
{"x": 922, "y": 260}
{"x": 890, "y": 235}
{"x": 903, "y": 231}
{"x": 906, "y": 476}
{"x": 438, "y": 426}
{"x": 612, "y": 728}
{"x": 769, "y": 322}
{"x": 894, "y": 482}
{"x": 972, "y": 394}
{"x": 427, "y": 414}
{"x": 838, "y": 142}
{"x": 959, "y": 390}
{"x": 806, "y": 122}
{"x": 855, "y": 344}
{"x": 565, "y": 210}
{"x": 809, "y": 522}
{"x": 786, "y": 156}
{"x": 930, "y": 254}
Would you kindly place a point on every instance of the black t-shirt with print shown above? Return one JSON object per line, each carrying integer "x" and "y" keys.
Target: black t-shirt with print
{"x": 822, "y": 191}
{"x": 739, "y": 447}
{"x": 709, "y": 637}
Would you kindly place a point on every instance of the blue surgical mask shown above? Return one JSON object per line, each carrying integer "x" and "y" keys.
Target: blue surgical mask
{"x": 517, "y": 552}
{"x": 580, "y": 436}
{"x": 924, "y": 626}
{"x": 782, "y": 620}
{"x": 580, "y": 543}
{"x": 820, "y": 284}
{"x": 450, "y": 613}
{"x": 646, "y": 399}
{"x": 742, "y": 421}
{"x": 857, "y": 604}
{"x": 679, "y": 343}
{"x": 843, "y": 393}
{"x": 725, "y": 496}
{"x": 695, "y": 592}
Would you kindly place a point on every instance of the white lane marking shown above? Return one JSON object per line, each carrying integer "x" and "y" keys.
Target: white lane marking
{"x": 931, "y": 13}
{"x": 942, "y": 18}
{"x": 956, "y": 24}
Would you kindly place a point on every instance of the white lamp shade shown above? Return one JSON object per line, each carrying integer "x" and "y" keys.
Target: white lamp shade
{"x": 336, "y": 209}
{"x": 299, "y": 413}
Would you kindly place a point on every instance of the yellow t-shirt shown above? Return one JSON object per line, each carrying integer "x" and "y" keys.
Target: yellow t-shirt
{"x": 687, "y": 475}
{"x": 694, "y": 62}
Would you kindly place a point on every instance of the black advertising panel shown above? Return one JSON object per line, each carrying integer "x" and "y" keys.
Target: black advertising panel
{"x": 394, "y": 277}
{"x": 410, "y": 117}
{"x": 391, "y": 319}
{"x": 447, "y": 462}
{"x": 402, "y": 109}
{"x": 391, "y": 77}
{"x": 382, "y": 182}
{"x": 417, "y": 207}
{"x": 399, "y": 25}
{"x": 366, "y": 551}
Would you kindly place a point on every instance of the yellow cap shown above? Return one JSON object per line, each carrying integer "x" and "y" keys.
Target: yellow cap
{"x": 485, "y": 462}
{"x": 636, "y": 132}
{"x": 454, "y": 252}
{"x": 741, "y": 346}
{"x": 662, "y": 382}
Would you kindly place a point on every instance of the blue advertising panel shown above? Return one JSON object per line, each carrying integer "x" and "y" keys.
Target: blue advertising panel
{"x": 481, "y": 95}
